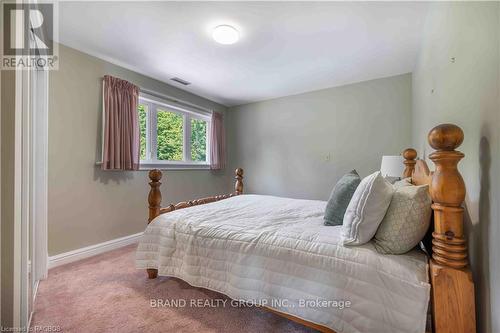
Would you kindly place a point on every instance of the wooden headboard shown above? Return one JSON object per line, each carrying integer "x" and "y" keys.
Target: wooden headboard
{"x": 453, "y": 304}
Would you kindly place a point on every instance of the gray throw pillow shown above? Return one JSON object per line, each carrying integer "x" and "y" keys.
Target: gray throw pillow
{"x": 406, "y": 221}
{"x": 340, "y": 198}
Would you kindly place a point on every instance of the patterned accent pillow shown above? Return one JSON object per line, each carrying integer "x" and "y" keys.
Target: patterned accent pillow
{"x": 340, "y": 198}
{"x": 366, "y": 209}
{"x": 406, "y": 221}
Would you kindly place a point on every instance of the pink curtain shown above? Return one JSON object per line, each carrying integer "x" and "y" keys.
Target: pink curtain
{"x": 217, "y": 143}
{"x": 121, "y": 125}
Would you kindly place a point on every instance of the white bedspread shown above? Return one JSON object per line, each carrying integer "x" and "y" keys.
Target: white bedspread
{"x": 264, "y": 248}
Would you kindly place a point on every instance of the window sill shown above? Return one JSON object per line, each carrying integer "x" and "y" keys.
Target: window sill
{"x": 170, "y": 166}
{"x": 174, "y": 166}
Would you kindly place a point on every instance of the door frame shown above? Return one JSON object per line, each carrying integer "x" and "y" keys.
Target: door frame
{"x": 34, "y": 187}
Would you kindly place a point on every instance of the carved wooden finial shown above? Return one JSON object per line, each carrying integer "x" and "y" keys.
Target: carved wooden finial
{"x": 448, "y": 193}
{"x": 238, "y": 186}
{"x": 409, "y": 155}
{"x": 154, "y": 197}
{"x": 446, "y": 137}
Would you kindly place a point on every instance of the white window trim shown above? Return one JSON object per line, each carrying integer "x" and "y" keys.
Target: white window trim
{"x": 152, "y": 103}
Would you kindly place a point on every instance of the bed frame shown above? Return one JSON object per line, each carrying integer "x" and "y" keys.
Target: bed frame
{"x": 452, "y": 295}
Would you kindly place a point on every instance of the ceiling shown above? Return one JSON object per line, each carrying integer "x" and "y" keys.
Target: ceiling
{"x": 285, "y": 48}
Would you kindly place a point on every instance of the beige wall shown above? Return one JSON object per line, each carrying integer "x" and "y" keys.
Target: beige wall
{"x": 467, "y": 92}
{"x": 86, "y": 205}
{"x": 282, "y": 143}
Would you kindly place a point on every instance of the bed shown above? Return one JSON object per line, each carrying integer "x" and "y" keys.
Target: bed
{"x": 276, "y": 252}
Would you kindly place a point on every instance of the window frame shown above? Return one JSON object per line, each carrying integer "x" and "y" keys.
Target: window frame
{"x": 153, "y": 105}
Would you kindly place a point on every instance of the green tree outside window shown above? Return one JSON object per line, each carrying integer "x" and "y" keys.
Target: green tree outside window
{"x": 198, "y": 140}
{"x": 142, "y": 127}
{"x": 169, "y": 136}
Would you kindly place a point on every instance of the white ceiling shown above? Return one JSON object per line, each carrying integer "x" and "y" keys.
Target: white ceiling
{"x": 285, "y": 47}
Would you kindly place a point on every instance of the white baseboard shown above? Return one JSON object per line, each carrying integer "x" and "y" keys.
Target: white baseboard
{"x": 90, "y": 251}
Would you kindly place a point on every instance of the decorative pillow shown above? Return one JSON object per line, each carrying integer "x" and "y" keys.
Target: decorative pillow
{"x": 403, "y": 182}
{"x": 340, "y": 198}
{"x": 366, "y": 209}
{"x": 406, "y": 221}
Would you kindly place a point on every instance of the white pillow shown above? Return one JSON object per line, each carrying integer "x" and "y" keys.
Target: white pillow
{"x": 366, "y": 209}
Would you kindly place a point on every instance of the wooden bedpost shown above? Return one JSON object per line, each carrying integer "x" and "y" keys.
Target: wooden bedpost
{"x": 409, "y": 155}
{"x": 451, "y": 278}
{"x": 154, "y": 197}
{"x": 238, "y": 186}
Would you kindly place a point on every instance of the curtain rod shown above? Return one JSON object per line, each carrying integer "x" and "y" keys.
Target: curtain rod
{"x": 174, "y": 99}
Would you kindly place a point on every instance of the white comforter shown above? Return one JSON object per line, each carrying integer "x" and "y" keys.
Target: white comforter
{"x": 270, "y": 250}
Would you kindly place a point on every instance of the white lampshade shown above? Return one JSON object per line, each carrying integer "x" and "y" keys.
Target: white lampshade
{"x": 392, "y": 166}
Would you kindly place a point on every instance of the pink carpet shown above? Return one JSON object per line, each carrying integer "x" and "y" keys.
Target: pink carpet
{"x": 106, "y": 293}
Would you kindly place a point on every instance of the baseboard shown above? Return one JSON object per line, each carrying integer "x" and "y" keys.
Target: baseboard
{"x": 90, "y": 251}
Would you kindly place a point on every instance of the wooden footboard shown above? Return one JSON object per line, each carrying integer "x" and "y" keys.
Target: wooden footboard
{"x": 154, "y": 197}
{"x": 154, "y": 200}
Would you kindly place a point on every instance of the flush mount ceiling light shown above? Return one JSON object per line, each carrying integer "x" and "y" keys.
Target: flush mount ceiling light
{"x": 225, "y": 34}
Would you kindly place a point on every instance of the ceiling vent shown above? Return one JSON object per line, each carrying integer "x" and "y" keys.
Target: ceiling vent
{"x": 181, "y": 81}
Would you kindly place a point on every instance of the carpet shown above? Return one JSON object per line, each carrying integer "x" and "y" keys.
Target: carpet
{"x": 106, "y": 293}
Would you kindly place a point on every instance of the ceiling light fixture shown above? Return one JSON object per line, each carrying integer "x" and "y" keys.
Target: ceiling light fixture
{"x": 225, "y": 34}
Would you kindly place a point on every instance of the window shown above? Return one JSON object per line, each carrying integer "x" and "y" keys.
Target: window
{"x": 172, "y": 136}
